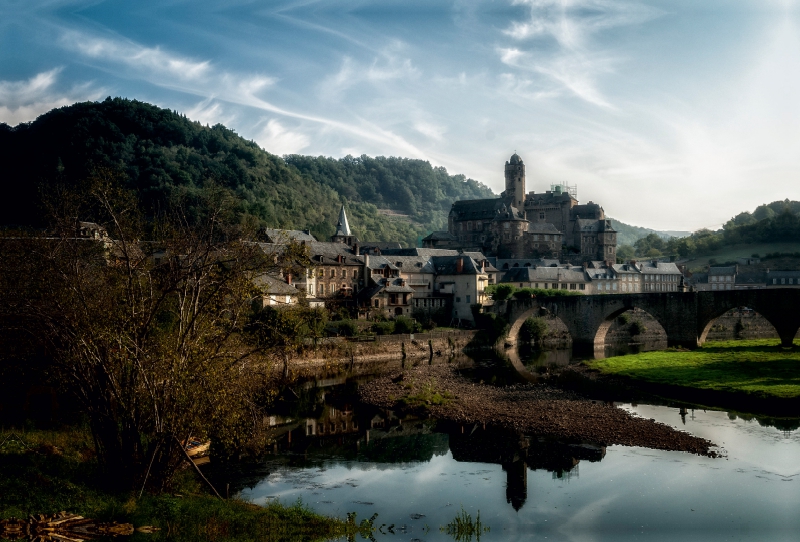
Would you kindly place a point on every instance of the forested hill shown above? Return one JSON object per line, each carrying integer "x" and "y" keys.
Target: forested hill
{"x": 387, "y": 199}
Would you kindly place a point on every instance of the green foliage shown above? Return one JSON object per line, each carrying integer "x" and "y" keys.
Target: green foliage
{"x": 347, "y": 328}
{"x": 637, "y": 328}
{"x": 462, "y": 528}
{"x": 501, "y": 292}
{"x": 383, "y": 328}
{"x": 426, "y": 394}
{"x": 160, "y": 151}
{"x": 533, "y": 329}
{"x": 404, "y": 325}
{"x": 624, "y": 318}
{"x": 758, "y": 367}
{"x": 57, "y": 471}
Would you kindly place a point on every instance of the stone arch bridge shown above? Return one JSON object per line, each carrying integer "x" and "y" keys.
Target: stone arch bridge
{"x": 685, "y": 316}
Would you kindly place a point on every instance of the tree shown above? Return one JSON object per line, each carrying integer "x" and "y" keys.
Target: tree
{"x": 149, "y": 336}
{"x": 503, "y": 292}
{"x": 533, "y": 330}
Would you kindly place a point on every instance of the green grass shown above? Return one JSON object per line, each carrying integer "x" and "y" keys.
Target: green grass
{"x": 425, "y": 395}
{"x": 760, "y": 368}
{"x": 44, "y": 472}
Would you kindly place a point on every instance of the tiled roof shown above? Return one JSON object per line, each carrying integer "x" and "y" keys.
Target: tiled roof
{"x": 727, "y": 270}
{"x": 448, "y": 265}
{"x": 542, "y": 227}
{"x": 552, "y": 274}
{"x": 660, "y": 268}
{"x": 275, "y": 285}
{"x": 282, "y": 236}
{"x": 475, "y": 209}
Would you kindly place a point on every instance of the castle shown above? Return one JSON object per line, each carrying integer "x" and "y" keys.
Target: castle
{"x": 529, "y": 225}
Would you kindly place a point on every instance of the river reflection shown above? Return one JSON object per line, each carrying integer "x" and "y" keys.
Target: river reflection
{"x": 413, "y": 472}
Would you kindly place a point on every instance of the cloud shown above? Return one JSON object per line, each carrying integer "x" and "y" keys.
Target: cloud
{"x": 275, "y": 138}
{"x": 152, "y": 60}
{"x": 23, "y": 101}
{"x": 389, "y": 65}
{"x": 565, "y": 51}
{"x": 210, "y": 112}
{"x": 432, "y": 131}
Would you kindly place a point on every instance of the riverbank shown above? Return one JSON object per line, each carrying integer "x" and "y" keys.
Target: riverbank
{"x": 45, "y": 472}
{"x": 537, "y": 409}
{"x": 757, "y": 367}
{"x": 754, "y": 376}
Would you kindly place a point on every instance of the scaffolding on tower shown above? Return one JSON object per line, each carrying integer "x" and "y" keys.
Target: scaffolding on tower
{"x": 561, "y": 188}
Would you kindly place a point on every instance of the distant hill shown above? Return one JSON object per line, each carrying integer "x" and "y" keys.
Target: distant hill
{"x": 628, "y": 235}
{"x": 160, "y": 150}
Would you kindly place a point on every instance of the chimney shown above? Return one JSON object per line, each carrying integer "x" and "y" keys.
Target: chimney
{"x": 289, "y": 278}
{"x": 356, "y": 249}
{"x": 483, "y": 266}
{"x": 460, "y": 265}
{"x": 366, "y": 260}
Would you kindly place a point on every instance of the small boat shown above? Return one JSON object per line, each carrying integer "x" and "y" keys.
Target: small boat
{"x": 197, "y": 449}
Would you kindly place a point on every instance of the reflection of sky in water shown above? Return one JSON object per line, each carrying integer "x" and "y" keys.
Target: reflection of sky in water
{"x": 633, "y": 493}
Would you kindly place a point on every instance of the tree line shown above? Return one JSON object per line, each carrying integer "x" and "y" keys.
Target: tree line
{"x": 161, "y": 152}
{"x": 778, "y": 221}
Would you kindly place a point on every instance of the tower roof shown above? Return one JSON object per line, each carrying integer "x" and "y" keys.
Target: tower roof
{"x": 342, "y": 227}
{"x": 515, "y": 159}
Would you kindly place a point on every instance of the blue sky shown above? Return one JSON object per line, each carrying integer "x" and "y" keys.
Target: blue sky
{"x": 672, "y": 115}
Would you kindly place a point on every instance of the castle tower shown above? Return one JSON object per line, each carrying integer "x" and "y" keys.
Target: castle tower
{"x": 515, "y": 181}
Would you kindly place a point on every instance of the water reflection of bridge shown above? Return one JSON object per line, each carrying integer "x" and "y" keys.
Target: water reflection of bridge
{"x": 685, "y": 317}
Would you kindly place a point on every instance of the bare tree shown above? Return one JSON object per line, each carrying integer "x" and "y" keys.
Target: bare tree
{"x": 146, "y": 320}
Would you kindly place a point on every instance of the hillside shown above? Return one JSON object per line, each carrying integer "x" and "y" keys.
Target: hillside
{"x": 628, "y": 235}
{"x": 159, "y": 150}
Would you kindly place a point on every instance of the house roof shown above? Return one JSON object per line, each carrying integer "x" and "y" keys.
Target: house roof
{"x": 274, "y": 235}
{"x": 441, "y": 236}
{"x": 722, "y": 270}
{"x": 449, "y": 265}
{"x": 482, "y": 209}
{"x": 660, "y": 268}
{"x": 543, "y": 227}
{"x": 552, "y": 274}
{"x": 275, "y": 285}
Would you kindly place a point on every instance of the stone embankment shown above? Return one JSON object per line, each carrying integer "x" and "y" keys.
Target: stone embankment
{"x": 532, "y": 409}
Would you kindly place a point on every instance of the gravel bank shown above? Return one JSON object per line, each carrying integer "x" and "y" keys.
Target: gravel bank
{"x": 532, "y": 409}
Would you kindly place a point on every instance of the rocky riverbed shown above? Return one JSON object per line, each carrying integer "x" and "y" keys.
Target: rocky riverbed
{"x": 532, "y": 409}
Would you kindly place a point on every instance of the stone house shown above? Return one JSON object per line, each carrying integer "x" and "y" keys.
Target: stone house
{"x": 572, "y": 278}
{"x": 465, "y": 280}
{"x": 660, "y": 277}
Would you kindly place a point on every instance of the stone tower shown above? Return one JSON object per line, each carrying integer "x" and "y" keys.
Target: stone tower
{"x": 515, "y": 181}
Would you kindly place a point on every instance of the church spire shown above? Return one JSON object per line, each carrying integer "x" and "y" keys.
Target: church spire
{"x": 342, "y": 227}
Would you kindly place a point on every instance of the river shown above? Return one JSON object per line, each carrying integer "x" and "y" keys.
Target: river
{"x": 340, "y": 456}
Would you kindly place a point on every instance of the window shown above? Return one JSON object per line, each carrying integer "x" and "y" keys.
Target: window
{"x": 774, "y": 281}
{"x": 469, "y": 225}
{"x": 458, "y": 300}
{"x": 563, "y": 286}
{"x": 355, "y": 273}
{"x": 581, "y": 286}
{"x": 333, "y": 273}
{"x": 311, "y": 289}
{"x": 614, "y": 287}
{"x": 541, "y": 216}
{"x": 783, "y": 281}
{"x": 321, "y": 273}
{"x": 321, "y": 289}
{"x": 468, "y": 299}
{"x": 377, "y": 303}
{"x": 506, "y": 225}
{"x": 572, "y": 286}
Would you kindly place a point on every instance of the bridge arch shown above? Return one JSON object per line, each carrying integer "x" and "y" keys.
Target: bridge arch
{"x": 512, "y": 337}
{"x": 611, "y": 317}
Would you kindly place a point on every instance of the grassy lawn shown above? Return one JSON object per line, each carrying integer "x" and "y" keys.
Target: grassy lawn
{"x": 759, "y": 367}
{"x": 45, "y": 472}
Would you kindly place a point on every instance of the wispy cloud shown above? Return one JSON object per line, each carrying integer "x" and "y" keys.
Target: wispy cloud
{"x": 389, "y": 65}
{"x": 22, "y": 101}
{"x": 152, "y": 60}
{"x": 562, "y": 42}
{"x": 277, "y": 139}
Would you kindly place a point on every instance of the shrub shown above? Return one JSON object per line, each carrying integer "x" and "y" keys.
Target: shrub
{"x": 624, "y": 318}
{"x": 503, "y": 292}
{"x": 637, "y": 328}
{"x": 404, "y": 324}
{"x": 348, "y": 328}
{"x": 524, "y": 293}
{"x": 383, "y": 328}
{"x": 533, "y": 330}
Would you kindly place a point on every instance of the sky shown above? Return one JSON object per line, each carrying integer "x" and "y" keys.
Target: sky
{"x": 674, "y": 115}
